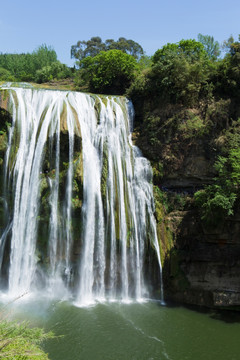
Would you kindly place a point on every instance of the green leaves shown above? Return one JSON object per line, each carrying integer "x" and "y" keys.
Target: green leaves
{"x": 41, "y": 65}
{"x": 180, "y": 72}
{"x": 6, "y": 75}
{"x": 20, "y": 342}
{"x": 95, "y": 45}
{"x": 108, "y": 72}
{"x": 216, "y": 201}
{"x": 54, "y": 71}
{"x": 211, "y": 46}
{"x": 191, "y": 49}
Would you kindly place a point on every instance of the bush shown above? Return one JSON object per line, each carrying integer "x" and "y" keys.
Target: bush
{"x": 215, "y": 204}
{"x": 179, "y": 76}
{"x": 192, "y": 126}
{"x": 18, "y": 341}
{"x": 23, "y": 67}
{"x": 54, "y": 71}
{"x": 216, "y": 201}
{"x": 108, "y": 72}
{"x": 5, "y": 75}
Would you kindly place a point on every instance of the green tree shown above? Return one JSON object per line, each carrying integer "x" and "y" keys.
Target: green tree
{"x": 211, "y": 46}
{"x": 127, "y": 46}
{"x": 145, "y": 62}
{"x": 235, "y": 47}
{"x": 95, "y": 45}
{"x": 228, "y": 72}
{"x": 180, "y": 72}
{"x": 108, "y": 72}
{"x": 87, "y": 48}
{"x": 23, "y": 67}
{"x": 216, "y": 201}
{"x": 191, "y": 49}
{"x": 43, "y": 56}
{"x": 227, "y": 43}
{"x": 55, "y": 71}
{"x": 215, "y": 204}
{"x": 6, "y": 75}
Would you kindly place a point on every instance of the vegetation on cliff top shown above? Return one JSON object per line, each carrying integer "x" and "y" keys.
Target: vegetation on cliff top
{"x": 108, "y": 72}
{"x": 95, "y": 45}
{"x": 39, "y": 66}
{"x": 187, "y": 102}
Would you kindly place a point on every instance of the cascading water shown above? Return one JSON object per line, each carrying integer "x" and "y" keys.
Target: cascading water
{"x": 82, "y": 203}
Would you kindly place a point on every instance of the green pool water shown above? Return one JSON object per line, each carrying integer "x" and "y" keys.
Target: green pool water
{"x": 145, "y": 331}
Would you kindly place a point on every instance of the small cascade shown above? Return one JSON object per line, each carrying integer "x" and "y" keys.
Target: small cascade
{"x": 53, "y": 200}
{"x": 68, "y": 196}
{"x": 25, "y": 181}
{"x": 81, "y": 216}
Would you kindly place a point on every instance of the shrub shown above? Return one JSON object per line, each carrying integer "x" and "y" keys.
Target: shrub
{"x": 18, "y": 341}
{"x": 216, "y": 201}
{"x": 54, "y": 71}
{"x": 108, "y": 72}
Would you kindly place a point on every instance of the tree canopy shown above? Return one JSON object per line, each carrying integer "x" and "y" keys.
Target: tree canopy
{"x": 179, "y": 72}
{"x": 191, "y": 49}
{"x": 95, "y": 45}
{"x": 24, "y": 66}
{"x": 227, "y": 77}
{"x": 108, "y": 72}
{"x": 40, "y": 65}
{"x": 211, "y": 46}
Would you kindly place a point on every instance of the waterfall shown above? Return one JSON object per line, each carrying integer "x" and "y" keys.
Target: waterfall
{"x": 81, "y": 214}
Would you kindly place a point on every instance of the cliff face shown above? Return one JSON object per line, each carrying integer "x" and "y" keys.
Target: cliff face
{"x": 201, "y": 263}
{"x": 203, "y": 266}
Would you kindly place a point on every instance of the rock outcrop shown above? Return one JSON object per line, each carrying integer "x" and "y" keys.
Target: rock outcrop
{"x": 203, "y": 266}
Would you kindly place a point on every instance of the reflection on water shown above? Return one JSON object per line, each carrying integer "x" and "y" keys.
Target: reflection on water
{"x": 135, "y": 331}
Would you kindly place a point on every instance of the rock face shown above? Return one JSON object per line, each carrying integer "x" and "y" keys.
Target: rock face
{"x": 203, "y": 267}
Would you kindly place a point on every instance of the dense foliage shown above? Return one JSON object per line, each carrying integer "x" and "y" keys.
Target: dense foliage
{"x": 55, "y": 71}
{"x": 107, "y": 67}
{"x": 211, "y": 46}
{"x": 95, "y": 45}
{"x": 108, "y": 72}
{"x": 189, "y": 72}
{"x": 180, "y": 73}
{"x": 217, "y": 201}
{"x": 40, "y": 66}
{"x": 18, "y": 341}
{"x": 188, "y": 99}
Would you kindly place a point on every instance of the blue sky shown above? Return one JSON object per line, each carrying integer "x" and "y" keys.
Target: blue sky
{"x": 26, "y": 24}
